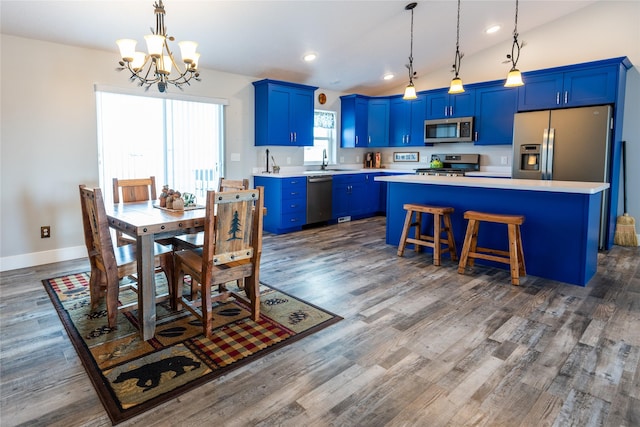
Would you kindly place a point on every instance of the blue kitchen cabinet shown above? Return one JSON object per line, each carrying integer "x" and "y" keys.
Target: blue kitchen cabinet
{"x": 364, "y": 121}
{"x": 378, "y": 122}
{"x": 580, "y": 87}
{"x": 286, "y": 203}
{"x": 354, "y": 118}
{"x": 406, "y": 121}
{"x": 348, "y": 197}
{"x": 442, "y": 105}
{"x": 356, "y": 195}
{"x": 283, "y": 113}
{"x": 372, "y": 194}
{"x": 494, "y": 114}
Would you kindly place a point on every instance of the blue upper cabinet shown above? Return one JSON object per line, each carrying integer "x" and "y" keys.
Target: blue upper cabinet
{"x": 354, "y": 117}
{"x": 406, "y": 121}
{"x": 442, "y": 105}
{"x": 378, "y": 122}
{"x": 283, "y": 113}
{"x": 586, "y": 86}
{"x": 495, "y": 107}
{"x": 364, "y": 121}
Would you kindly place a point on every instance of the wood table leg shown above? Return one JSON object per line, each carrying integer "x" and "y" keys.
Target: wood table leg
{"x": 146, "y": 286}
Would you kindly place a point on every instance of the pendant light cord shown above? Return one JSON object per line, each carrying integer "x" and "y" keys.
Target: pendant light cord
{"x": 411, "y": 48}
{"x": 515, "y": 48}
{"x": 457, "y": 59}
{"x": 458, "y": 26}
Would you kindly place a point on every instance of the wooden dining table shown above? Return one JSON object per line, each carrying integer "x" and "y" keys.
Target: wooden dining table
{"x": 148, "y": 223}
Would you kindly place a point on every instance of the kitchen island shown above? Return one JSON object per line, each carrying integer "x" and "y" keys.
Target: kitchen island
{"x": 560, "y": 233}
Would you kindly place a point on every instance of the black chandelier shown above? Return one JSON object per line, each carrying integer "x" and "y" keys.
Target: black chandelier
{"x": 159, "y": 65}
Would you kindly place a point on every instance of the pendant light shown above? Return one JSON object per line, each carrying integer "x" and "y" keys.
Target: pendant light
{"x": 456, "y": 83}
{"x": 514, "y": 78}
{"x": 410, "y": 91}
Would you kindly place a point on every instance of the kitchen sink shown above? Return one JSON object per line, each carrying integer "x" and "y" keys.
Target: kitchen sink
{"x": 328, "y": 171}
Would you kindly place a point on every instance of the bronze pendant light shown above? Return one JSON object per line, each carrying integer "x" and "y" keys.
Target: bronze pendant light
{"x": 410, "y": 91}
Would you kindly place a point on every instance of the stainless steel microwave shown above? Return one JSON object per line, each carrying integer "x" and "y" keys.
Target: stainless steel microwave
{"x": 454, "y": 129}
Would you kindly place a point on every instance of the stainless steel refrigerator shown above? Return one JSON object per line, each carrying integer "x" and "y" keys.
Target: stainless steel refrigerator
{"x": 564, "y": 145}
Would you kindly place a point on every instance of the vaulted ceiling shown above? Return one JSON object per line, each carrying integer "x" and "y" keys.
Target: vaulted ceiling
{"x": 357, "y": 42}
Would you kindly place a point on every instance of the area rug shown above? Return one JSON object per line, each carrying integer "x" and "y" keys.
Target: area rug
{"x": 132, "y": 376}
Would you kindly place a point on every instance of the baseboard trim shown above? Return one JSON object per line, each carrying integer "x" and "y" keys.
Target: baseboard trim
{"x": 40, "y": 258}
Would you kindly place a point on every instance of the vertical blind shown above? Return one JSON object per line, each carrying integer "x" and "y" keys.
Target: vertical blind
{"x": 180, "y": 142}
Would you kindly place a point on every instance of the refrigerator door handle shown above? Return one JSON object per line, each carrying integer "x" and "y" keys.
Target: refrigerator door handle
{"x": 543, "y": 154}
{"x": 552, "y": 135}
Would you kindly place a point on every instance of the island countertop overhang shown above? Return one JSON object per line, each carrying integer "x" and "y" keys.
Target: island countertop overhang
{"x": 574, "y": 187}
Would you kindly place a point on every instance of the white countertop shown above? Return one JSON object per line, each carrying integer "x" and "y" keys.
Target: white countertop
{"x": 501, "y": 183}
{"x": 292, "y": 172}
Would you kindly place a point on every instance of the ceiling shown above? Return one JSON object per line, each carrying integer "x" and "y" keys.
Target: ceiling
{"x": 357, "y": 42}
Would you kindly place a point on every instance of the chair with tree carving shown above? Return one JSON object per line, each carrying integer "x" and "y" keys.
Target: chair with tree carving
{"x": 196, "y": 240}
{"x": 231, "y": 252}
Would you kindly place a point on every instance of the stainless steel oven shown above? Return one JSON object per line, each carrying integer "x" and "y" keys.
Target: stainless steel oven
{"x": 451, "y": 165}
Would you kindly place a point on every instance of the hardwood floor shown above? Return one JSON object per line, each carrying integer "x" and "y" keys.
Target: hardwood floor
{"x": 419, "y": 346}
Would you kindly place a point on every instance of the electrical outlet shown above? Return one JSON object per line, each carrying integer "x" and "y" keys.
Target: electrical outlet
{"x": 504, "y": 160}
{"x": 45, "y": 232}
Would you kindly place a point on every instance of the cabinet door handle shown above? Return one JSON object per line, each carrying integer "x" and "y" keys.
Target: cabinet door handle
{"x": 445, "y": 110}
{"x": 451, "y": 110}
{"x": 557, "y": 98}
{"x": 369, "y": 139}
{"x": 566, "y": 96}
{"x": 475, "y": 136}
{"x": 295, "y": 136}
{"x": 356, "y": 139}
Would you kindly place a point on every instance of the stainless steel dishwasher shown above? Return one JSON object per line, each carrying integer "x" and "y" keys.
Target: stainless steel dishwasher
{"x": 319, "y": 194}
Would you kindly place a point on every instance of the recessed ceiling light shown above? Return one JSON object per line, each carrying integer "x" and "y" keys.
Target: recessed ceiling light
{"x": 388, "y": 76}
{"x": 308, "y": 57}
{"x": 492, "y": 29}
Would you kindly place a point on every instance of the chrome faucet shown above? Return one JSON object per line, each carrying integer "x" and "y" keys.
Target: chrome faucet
{"x": 324, "y": 159}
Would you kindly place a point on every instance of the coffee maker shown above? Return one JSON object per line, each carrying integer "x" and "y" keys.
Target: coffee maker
{"x": 369, "y": 161}
{"x": 372, "y": 160}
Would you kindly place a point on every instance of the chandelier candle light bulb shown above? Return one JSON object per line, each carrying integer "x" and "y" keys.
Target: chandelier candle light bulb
{"x": 156, "y": 66}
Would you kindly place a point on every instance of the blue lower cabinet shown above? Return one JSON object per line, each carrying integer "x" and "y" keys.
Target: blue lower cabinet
{"x": 286, "y": 203}
{"x": 356, "y": 195}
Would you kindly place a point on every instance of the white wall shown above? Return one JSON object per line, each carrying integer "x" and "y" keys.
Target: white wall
{"x": 48, "y": 122}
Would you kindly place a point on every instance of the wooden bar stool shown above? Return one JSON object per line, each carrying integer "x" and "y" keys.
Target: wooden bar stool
{"x": 514, "y": 256}
{"x": 440, "y": 215}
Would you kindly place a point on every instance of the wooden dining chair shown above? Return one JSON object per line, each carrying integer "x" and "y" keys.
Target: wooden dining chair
{"x": 196, "y": 240}
{"x": 132, "y": 190}
{"x": 233, "y": 184}
{"x": 231, "y": 251}
{"x": 109, "y": 264}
